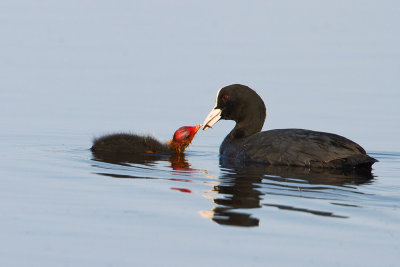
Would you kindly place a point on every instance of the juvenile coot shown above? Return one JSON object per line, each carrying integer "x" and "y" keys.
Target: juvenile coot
{"x": 289, "y": 147}
{"x": 122, "y": 144}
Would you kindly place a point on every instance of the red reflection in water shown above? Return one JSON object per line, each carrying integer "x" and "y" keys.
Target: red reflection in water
{"x": 181, "y": 180}
{"x": 183, "y": 190}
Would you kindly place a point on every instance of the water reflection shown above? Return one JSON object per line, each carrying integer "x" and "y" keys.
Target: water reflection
{"x": 177, "y": 161}
{"x": 241, "y": 189}
{"x": 231, "y": 195}
{"x": 247, "y": 186}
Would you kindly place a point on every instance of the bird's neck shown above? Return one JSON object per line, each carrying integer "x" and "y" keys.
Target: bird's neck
{"x": 245, "y": 129}
{"x": 250, "y": 121}
{"x": 178, "y": 147}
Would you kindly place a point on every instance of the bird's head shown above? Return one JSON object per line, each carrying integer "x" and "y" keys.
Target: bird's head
{"x": 238, "y": 103}
{"x": 182, "y": 138}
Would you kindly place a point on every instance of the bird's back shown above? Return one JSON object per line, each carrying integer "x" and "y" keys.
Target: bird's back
{"x": 298, "y": 147}
{"x": 128, "y": 143}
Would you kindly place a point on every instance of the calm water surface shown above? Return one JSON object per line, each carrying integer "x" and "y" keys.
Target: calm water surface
{"x": 61, "y": 204}
{"x": 74, "y": 70}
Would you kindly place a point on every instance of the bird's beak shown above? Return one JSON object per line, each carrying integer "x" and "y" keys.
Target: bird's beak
{"x": 212, "y": 118}
{"x": 194, "y": 129}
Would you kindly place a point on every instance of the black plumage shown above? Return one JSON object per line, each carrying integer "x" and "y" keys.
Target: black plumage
{"x": 126, "y": 147}
{"x": 128, "y": 143}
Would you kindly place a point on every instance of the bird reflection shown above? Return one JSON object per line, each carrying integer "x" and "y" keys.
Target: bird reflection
{"x": 243, "y": 187}
{"x": 177, "y": 161}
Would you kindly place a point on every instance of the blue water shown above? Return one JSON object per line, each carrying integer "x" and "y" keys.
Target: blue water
{"x": 72, "y": 71}
{"x": 62, "y": 207}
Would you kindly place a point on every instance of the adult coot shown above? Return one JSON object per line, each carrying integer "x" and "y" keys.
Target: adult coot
{"x": 124, "y": 145}
{"x": 289, "y": 147}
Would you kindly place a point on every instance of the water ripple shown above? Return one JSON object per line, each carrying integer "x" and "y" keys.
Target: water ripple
{"x": 237, "y": 191}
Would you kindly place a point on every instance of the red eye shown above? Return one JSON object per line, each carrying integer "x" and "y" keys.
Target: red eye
{"x": 224, "y": 97}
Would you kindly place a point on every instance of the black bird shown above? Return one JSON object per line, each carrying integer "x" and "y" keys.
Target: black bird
{"x": 123, "y": 146}
{"x": 288, "y": 147}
